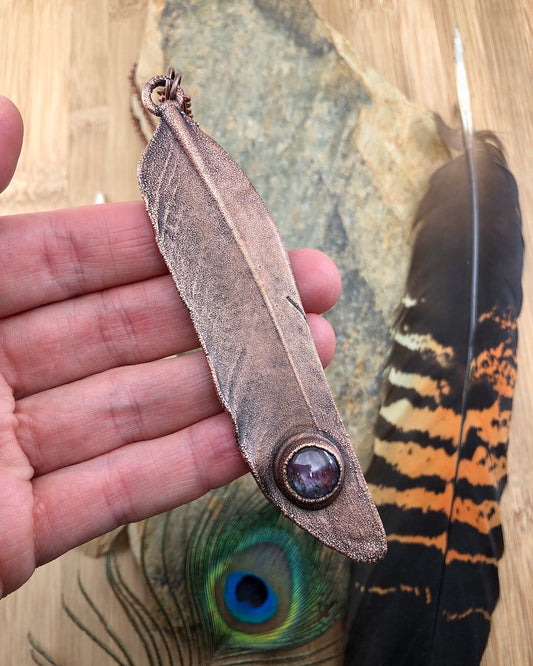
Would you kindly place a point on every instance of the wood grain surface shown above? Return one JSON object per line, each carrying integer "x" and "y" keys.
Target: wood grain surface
{"x": 66, "y": 66}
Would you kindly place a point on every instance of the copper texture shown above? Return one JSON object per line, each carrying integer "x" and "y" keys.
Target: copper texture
{"x": 230, "y": 267}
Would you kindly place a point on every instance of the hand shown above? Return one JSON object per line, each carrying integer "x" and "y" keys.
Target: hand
{"x": 97, "y": 427}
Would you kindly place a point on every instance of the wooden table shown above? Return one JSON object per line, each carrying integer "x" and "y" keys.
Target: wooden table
{"x": 65, "y": 64}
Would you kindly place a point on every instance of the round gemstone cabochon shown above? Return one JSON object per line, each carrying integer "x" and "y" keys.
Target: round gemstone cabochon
{"x": 313, "y": 472}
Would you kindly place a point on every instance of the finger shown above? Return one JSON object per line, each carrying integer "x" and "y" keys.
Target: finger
{"x": 317, "y": 277}
{"x": 80, "y": 502}
{"x": 16, "y": 532}
{"x": 60, "y": 343}
{"x": 130, "y": 324}
{"x": 16, "y": 536}
{"x": 11, "y": 132}
{"x": 323, "y": 337}
{"x": 85, "y": 419}
{"x": 82, "y": 420}
{"x": 53, "y": 256}
{"x": 49, "y": 257}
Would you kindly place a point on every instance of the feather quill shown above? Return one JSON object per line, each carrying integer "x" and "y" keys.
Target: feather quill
{"x": 439, "y": 467}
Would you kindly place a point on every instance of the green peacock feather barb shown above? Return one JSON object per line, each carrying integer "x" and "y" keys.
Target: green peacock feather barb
{"x": 229, "y": 580}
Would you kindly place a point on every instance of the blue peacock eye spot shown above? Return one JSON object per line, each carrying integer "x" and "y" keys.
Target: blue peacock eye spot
{"x": 251, "y": 590}
{"x": 249, "y": 598}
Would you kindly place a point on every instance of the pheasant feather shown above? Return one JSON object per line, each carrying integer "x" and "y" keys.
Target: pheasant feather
{"x": 439, "y": 467}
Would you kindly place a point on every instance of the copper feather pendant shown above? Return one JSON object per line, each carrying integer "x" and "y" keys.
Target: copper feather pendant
{"x": 231, "y": 270}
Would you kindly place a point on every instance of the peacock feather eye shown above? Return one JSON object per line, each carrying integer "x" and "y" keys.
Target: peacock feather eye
{"x": 229, "y": 580}
{"x": 249, "y": 598}
{"x": 251, "y": 594}
{"x": 255, "y": 592}
{"x": 252, "y": 575}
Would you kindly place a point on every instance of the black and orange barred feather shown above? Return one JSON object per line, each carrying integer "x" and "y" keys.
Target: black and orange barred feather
{"x": 439, "y": 467}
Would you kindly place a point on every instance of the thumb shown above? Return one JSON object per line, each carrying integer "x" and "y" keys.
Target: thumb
{"x": 11, "y": 132}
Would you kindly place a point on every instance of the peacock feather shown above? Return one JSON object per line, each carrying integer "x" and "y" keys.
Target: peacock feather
{"x": 228, "y": 580}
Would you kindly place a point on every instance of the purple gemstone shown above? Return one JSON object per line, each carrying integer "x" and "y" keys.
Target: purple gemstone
{"x": 313, "y": 472}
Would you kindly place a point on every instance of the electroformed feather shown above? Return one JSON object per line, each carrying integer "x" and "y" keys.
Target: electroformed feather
{"x": 439, "y": 465}
{"x": 231, "y": 270}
